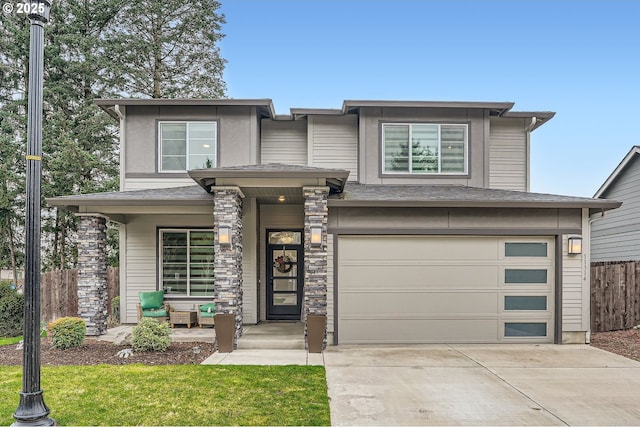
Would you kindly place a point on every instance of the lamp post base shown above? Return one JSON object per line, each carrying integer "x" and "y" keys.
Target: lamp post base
{"x": 32, "y": 411}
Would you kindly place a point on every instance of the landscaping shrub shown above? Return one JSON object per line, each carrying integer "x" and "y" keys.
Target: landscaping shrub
{"x": 150, "y": 335}
{"x": 114, "y": 318}
{"x": 11, "y": 311}
{"x": 67, "y": 332}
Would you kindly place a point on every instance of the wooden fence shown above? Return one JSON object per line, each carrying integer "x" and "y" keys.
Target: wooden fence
{"x": 615, "y": 295}
{"x": 59, "y": 293}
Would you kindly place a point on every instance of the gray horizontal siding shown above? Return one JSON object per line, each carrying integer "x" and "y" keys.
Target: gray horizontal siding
{"x": 284, "y": 142}
{"x": 333, "y": 143}
{"x": 508, "y": 155}
{"x": 615, "y": 237}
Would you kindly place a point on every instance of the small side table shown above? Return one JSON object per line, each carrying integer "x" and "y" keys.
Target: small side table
{"x": 183, "y": 317}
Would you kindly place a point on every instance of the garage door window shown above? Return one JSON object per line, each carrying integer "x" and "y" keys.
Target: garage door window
{"x": 515, "y": 276}
{"x": 518, "y": 302}
{"x": 513, "y": 249}
{"x": 522, "y": 329}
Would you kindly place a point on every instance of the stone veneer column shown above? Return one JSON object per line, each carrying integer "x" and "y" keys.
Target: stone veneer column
{"x": 227, "y": 211}
{"x": 315, "y": 257}
{"x": 92, "y": 273}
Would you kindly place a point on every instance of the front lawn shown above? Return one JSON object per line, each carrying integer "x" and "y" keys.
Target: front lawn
{"x": 130, "y": 395}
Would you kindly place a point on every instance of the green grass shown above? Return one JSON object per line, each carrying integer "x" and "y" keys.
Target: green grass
{"x": 8, "y": 341}
{"x": 130, "y": 395}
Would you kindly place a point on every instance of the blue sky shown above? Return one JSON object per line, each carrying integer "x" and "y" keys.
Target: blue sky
{"x": 580, "y": 59}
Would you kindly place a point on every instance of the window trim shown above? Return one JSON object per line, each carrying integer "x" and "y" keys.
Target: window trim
{"x": 409, "y": 173}
{"x": 160, "y": 261}
{"x": 187, "y": 122}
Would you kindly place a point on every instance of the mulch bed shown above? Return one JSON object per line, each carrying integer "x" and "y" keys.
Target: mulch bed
{"x": 93, "y": 352}
{"x": 625, "y": 343}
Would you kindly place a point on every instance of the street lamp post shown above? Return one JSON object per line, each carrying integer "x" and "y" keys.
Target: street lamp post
{"x": 32, "y": 411}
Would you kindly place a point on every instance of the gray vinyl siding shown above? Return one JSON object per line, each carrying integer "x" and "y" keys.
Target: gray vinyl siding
{"x": 284, "y": 141}
{"x": 333, "y": 143}
{"x": 615, "y": 237}
{"x": 508, "y": 155}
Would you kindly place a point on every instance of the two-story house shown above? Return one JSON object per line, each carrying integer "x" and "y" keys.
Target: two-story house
{"x": 402, "y": 221}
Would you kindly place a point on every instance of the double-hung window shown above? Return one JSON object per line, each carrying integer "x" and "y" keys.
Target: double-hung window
{"x": 421, "y": 148}
{"x": 187, "y": 145}
{"x": 186, "y": 264}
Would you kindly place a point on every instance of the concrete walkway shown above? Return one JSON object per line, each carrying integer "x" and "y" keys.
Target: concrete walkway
{"x": 481, "y": 385}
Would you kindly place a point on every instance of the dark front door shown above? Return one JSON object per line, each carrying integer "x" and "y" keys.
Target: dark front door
{"x": 285, "y": 274}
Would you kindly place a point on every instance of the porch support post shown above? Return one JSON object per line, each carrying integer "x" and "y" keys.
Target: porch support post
{"x": 315, "y": 257}
{"x": 227, "y": 212}
{"x": 92, "y": 273}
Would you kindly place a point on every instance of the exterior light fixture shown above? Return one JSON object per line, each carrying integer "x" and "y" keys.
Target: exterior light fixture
{"x": 224, "y": 236}
{"x": 575, "y": 245}
{"x": 316, "y": 236}
{"x": 281, "y": 199}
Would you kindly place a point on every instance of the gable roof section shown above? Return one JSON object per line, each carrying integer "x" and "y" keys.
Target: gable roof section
{"x": 631, "y": 156}
{"x": 458, "y": 196}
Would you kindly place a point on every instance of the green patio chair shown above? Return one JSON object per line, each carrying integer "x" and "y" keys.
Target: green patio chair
{"x": 152, "y": 305}
{"x": 206, "y": 314}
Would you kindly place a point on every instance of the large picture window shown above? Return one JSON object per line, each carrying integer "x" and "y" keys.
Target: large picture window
{"x": 187, "y": 262}
{"x": 187, "y": 145}
{"x": 424, "y": 148}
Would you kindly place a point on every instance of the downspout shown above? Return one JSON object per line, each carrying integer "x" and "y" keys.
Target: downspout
{"x": 529, "y": 128}
{"x": 121, "y": 115}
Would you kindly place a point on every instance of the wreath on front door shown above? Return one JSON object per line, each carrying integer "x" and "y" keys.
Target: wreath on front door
{"x": 283, "y": 264}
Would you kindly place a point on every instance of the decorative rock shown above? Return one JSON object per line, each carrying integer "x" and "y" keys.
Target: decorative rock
{"x": 125, "y": 353}
{"x": 122, "y": 338}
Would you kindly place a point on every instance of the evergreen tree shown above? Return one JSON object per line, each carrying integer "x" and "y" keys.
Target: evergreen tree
{"x": 93, "y": 49}
{"x": 168, "y": 49}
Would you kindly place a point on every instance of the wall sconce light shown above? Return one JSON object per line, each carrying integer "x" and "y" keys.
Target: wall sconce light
{"x": 224, "y": 236}
{"x": 316, "y": 236}
{"x": 575, "y": 245}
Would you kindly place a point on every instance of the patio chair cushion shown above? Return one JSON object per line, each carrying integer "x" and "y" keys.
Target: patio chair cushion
{"x": 205, "y": 314}
{"x": 208, "y": 308}
{"x": 151, "y": 300}
{"x": 155, "y": 312}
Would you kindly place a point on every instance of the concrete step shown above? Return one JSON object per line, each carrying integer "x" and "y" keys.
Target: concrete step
{"x": 275, "y": 343}
{"x": 273, "y": 336}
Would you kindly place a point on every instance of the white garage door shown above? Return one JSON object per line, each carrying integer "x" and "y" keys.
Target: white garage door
{"x": 436, "y": 289}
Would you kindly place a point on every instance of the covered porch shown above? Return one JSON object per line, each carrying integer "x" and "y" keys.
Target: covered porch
{"x": 233, "y": 204}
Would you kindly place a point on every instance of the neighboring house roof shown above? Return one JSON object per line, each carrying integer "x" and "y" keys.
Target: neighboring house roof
{"x": 631, "y": 155}
{"x": 459, "y": 196}
{"x": 265, "y": 105}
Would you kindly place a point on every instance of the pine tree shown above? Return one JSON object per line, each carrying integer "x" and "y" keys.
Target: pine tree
{"x": 168, "y": 49}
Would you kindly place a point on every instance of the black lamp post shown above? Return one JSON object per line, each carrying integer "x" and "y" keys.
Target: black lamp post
{"x": 32, "y": 411}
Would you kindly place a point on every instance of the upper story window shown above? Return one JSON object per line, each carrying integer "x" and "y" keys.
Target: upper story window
{"x": 420, "y": 148}
{"x": 187, "y": 145}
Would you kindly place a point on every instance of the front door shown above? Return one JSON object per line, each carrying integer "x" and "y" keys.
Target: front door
{"x": 285, "y": 274}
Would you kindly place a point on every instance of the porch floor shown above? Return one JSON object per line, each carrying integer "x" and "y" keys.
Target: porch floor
{"x": 263, "y": 336}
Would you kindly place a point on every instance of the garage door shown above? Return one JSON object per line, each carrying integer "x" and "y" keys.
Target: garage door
{"x": 435, "y": 289}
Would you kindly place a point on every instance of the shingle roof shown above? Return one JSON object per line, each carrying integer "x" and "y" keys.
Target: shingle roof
{"x": 458, "y": 196}
{"x": 192, "y": 194}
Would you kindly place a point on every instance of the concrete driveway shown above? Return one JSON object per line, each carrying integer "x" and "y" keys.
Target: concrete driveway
{"x": 481, "y": 385}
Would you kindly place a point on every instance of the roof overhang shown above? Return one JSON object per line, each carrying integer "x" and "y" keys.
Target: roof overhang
{"x": 264, "y": 105}
{"x": 271, "y": 175}
{"x": 618, "y": 170}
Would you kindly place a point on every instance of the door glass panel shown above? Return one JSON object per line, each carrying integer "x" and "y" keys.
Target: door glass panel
{"x": 285, "y": 299}
{"x": 285, "y": 284}
{"x": 525, "y": 249}
{"x": 285, "y": 238}
{"x": 525, "y": 276}
{"x": 529, "y": 329}
{"x": 518, "y": 302}
{"x": 285, "y": 263}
